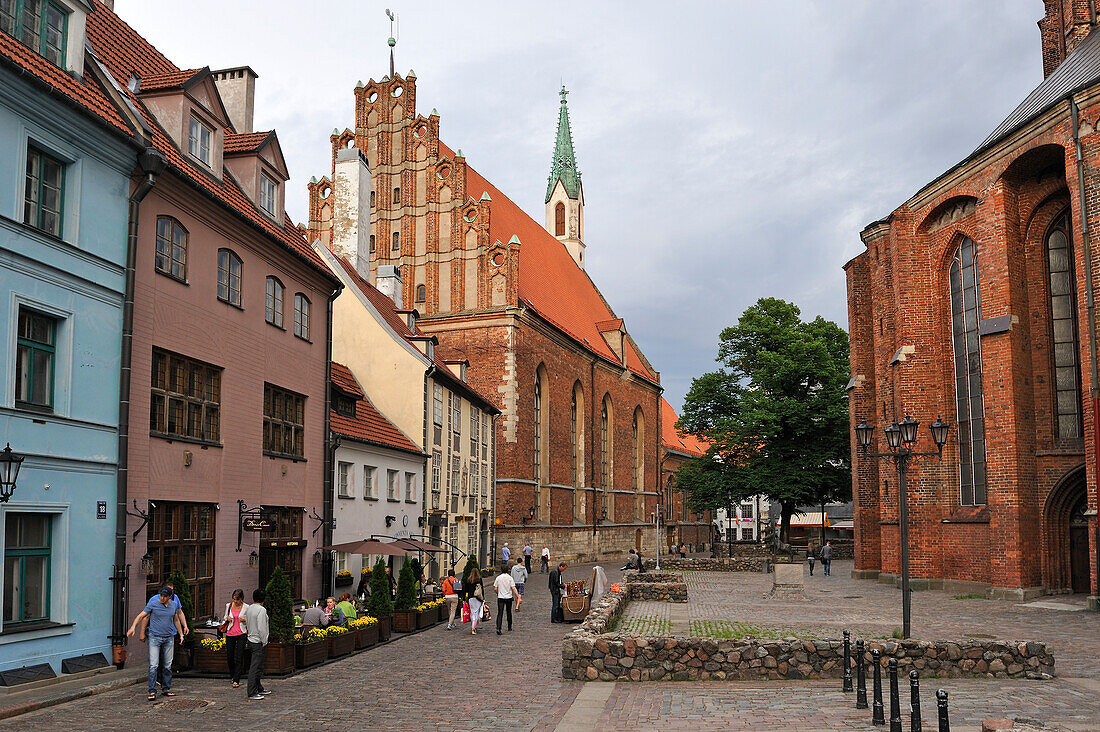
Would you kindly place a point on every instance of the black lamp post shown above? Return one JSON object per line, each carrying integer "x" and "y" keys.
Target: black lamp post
{"x": 9, "y": 472}
{"x": 900, "y": 438}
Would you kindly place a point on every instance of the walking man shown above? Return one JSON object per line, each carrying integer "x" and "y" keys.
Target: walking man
{"x": 450, "y": 594}
{"x": 161, "y": 611}
{"x": 544, "y": 567}
{"x": 827, "y": 557}
{"x": 527, "y": 551}
{"x": 556, "y": 586}
{"x": 519, "y": 576}
{"x": 256, "y": 621}
{"x": 810, "y": 558}
{"x": 505, "y": 554}
{"x": 505, "y": 588}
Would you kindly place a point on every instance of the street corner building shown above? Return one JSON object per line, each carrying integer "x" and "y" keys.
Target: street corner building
{"x": 679, "y": 524}
{"x": 578, "y": 448}
{"x": 973, "y": 300}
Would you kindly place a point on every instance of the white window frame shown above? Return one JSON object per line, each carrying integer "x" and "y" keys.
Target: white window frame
{"x": 410, "y": 487}
{"x": 59, "y": 568}
{"x": 194, "y": 145}
{"x": 271, "y": 196}
{"x": 345, "y": 477}
{"x": 392, "y": 479}
{"x": 368, "y": 481}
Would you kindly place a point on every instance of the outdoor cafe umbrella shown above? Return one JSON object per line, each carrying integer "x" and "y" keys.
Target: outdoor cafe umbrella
{"x": 370, "y": 546}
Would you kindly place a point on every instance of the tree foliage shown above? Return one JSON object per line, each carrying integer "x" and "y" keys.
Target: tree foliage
{"x": 380, "y": 603}
{"x": 183, "y": 592}
{"x": 775, "y": 414}
{"x": 279, "y": 606}
{"x": 406, "y": 588}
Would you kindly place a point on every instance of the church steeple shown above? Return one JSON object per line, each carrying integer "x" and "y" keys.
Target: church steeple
{"x": 564, "y": 193}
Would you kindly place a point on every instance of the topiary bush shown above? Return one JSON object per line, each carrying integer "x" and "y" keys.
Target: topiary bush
{"x": 279, "y": 608}
{"x": 380, "y": 603}
{"x": 406, "y": 588}
{"x": 183, "y": 592}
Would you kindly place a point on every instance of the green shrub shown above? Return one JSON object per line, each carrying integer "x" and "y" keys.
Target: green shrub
{"x": 183, "y": 592}
{"x": 380, "y": 603}
{"x": 279, "y": 610}
{"x": 406, "y": 588}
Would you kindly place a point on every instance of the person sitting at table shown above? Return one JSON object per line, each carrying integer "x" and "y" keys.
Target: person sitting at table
{"x": 314, "y": 616}
{"x": 347, "y": 608}
{"x": 333, "y": 615}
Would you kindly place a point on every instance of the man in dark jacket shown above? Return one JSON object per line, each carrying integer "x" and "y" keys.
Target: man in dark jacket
{"x": 556, "y": 586}
{"x": 827, "y": 557}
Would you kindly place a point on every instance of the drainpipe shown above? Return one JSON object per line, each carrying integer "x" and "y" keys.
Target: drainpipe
{"x": 152, "y": 163}
{"x": 327, "y": 508}
{"x": 1094, "y": 388}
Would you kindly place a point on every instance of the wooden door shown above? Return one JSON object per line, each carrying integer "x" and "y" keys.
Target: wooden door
{"x": 1079, "y": 558}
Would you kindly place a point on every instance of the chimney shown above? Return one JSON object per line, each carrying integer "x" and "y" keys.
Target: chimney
{"x": 237, "y": 88}
{"x": 1063, "y": 27}
{"x": 351, "y": 186}
{"x": 388, "y": 282}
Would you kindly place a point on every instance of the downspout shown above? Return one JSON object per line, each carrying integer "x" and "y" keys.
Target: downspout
{"x": 327, "y": 508}
{"x": 1090, "y": 301}
{"x": 152, "y": 163}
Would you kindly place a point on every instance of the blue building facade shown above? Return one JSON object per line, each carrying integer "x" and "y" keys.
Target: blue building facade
{"x": 64, "y": 189}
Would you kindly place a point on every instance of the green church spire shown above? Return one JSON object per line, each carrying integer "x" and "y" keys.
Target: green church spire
{"x": 564, "y": 165}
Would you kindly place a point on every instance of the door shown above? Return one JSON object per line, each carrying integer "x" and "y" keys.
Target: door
{"x": 1079, "y": 548}
{"x": 290, "y": 559}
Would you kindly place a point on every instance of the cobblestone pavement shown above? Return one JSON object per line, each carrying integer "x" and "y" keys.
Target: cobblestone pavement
{"x": 450, "y": 680}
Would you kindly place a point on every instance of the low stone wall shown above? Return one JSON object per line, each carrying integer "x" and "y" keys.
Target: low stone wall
{"x": 706, "y": 564}
{"x": 589, "y": 654}
{"x": 660, "y": 586}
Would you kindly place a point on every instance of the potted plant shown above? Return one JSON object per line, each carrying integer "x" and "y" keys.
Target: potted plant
{"x": 186, "y": 646}
{"x": 380, "y": 604}
{"x": 426, "y": 615}
{"x": 279, "y": 656}
{"x": 404, "y": 613}
{"x": 341, "y": 641}
{"x": 208, "y": 656}
{"x": 343, "y": 578}
{"x": 310, "y": 648}
{"x": 365, "y": 630}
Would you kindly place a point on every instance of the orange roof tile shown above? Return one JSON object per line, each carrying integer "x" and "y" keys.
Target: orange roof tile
{"x": 246, "y": 142}
{"x": 167, "y": 80}
{"x": 550, "y": 282}
{"x": 368, "y": 424}
{"x": 345, "y": 380}
{"x": 672, "y": 439}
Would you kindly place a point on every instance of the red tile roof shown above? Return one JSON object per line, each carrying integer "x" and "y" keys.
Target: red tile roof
{"x": 673, "y": 440}
{"x": 550, "y": 282}
{"x": 368, "y": 424}
{"x": 125, "y": 52}
{"x": 167, "y": 80}
{"x": 246, "y": 142}
{"x": 345, "y": 380}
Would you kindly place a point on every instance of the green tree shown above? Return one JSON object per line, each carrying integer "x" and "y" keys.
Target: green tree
{"x": 406, "y": 588}
{"x": 775, "y": 414}
{"x": 380, "y": 602}
{"x": 279, "y": 607}
{"x": 183, "y": 592}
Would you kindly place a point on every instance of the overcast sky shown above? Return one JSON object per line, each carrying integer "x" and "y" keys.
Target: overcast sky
{"x": 729, "y": 150}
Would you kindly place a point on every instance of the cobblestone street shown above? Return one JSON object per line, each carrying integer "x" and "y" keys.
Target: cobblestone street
{"x": 450, "y": 680}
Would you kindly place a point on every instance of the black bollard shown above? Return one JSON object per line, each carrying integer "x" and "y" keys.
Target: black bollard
{"x": 877, "y": 710}
{"x": 914, "y": 702}
{"x": 847, "y": 661}
{"x": 895, "y": 701}
{"x": 941, "y": 702}
{"x": 861, "y": 677}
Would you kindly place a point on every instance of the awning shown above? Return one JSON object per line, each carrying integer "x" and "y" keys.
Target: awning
{"x": 843, "y": 524}
{"x": 371, "y": 546}
{"x": 418, "y": 545}
{"x": 810, "y": 519}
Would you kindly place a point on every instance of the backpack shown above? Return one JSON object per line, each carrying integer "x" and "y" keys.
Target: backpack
{"x": 456, "y": 585}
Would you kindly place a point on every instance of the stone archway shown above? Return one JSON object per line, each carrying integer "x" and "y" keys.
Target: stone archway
{"x": 1061, "y": 535}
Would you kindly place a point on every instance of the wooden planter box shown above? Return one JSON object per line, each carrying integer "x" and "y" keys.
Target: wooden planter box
{"x": 311, "y": 654}
{"x": 209, "y": 662}
{"x": 443, "y": 613}
{"x": 344, "y": 581}
{"x": 427, "y": 618}
{"x": 279, "y": 658}
{"x": 404, "y": 621}
{"x": 340, "y": 645}
{"x": 181, "y": 659}
{"x": 366, "y": 637}
{"x": 383, "y": 629}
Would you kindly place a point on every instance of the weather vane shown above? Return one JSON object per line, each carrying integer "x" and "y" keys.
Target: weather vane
{"x": 393, "y": 40}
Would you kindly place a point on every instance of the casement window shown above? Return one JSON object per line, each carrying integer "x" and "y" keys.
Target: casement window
{"x": 44, "y": 191}
{"x": 410, "y": 487}
{"x": 181, "y": 536}
{"x": 27, "y": 552}
{"x": 284, "y": 422}
{"x": 368, "y": 481}
{"x": 273, "y": 307}
{"x": 301, "y": 316}
{"x": 456, "y": 422}
{"x": 746, "y": 510}
{"x": 475, "y": 431}
{"x": 268, "y": 200}
{"x": 486, "y": 423}
{"x": 39, "y": 24}
{"x": 397, "y": 195}
{"x": 200, "y": 142}
{"x": 437, "y": 467}
{"x": 35, "y": 357}
{"x": 392, "y": 487}
{"x": 286, "y": 526}
{"x": 396, "y": 239}
{"x": 456, "y": 472}
{"x": 343, "y": 480}
{"x": 1063, "y": 314}
{"x": 185, "y": 398}
{"x": 229, "y": 277}
{"x": 344, "y": 405}
{"x": 341, "y": 561}
{"x": 421, "y": 293}
{"x": 171, "y": 256}
{"x": 966, "y": 313}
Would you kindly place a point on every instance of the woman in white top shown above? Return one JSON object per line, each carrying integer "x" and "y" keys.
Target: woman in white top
{"x": 236, "y": 635}
{"x": 506, "y": 591}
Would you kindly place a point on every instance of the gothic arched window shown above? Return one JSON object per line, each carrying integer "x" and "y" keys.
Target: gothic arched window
{"x": 966, "y": 313}
{"x": 607, "y": 454}
{"x": 1063, "y": 313}
{"x": 559, "y": 219}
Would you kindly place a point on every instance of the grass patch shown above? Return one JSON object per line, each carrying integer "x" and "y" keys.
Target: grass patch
{"x": 970, "y": 596}
{"x": 644, "y": 625}
{"x": 734, "y": 629}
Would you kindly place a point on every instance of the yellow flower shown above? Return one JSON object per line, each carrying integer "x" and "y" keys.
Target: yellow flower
{"x": 213, "y": 644}
{"x": 335, "y": 630}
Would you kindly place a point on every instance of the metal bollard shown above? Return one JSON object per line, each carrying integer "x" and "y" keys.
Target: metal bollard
{"x": 914, "y": 702}
{"x": 877, "y": 715}
{"x": 941, "y": 702}
{"x": 861, "y": 677}
{"x": 847, "y": 661}
{"x": 895, "y": 701}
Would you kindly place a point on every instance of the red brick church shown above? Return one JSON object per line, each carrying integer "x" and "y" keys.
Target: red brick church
{"x": 579, "y": 441}
{"x": 974, "y": 301}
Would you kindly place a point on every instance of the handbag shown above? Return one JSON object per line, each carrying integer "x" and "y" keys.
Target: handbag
{"x": 485, "y": 614}
{"x": 465, "y": 611}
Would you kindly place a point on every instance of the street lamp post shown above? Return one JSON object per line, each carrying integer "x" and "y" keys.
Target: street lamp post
{"x": 900, "y": 438}
{"x": 9, "y": 472}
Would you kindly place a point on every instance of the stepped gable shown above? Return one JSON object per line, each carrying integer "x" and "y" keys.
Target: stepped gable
{"x": 671, "y": 439}
{"x": 368, "y": 424}
{"x": 550, "y": 282}
{"x": 125, "y": 53}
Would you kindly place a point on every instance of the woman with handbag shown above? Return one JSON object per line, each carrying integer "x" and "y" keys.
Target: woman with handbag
{"x": 236, "y": 635}
{"x": 475, "y": 596}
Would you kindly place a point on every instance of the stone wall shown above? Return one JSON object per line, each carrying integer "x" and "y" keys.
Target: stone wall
{"x": 660, "y": 586}
{"x": 706, "y": 564}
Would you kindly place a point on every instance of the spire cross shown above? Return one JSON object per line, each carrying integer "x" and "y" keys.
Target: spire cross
{"x": 564, "y": 93}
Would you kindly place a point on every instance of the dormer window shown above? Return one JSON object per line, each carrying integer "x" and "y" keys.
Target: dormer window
{"x": 40, "y": 24}
{"x": 267, "y": 195}
{"x": 344, "y": 405}
{"x": 201, "y": 142}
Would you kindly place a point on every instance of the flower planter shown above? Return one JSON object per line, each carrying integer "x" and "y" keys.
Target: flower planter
{"x": 344, "y": 581}
{"x": 181, "y": 659}
{"x": 209, "y": 662}
{"x": 443, "y": 612}
{"x": 404, "y": 621}
{"x": 311, "y": 654}
{"x": 340, "y": 645}
{"x": 366, "y": 637}
{"x": 279, "y": 658}
{"x": 383, "y": 629}
{"x": 427, "y": 618}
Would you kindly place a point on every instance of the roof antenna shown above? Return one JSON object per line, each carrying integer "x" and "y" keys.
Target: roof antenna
{"x": 392, "y": 41}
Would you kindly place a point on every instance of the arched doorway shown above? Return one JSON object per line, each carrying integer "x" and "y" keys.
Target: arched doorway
{"x": 1065, "y": 535}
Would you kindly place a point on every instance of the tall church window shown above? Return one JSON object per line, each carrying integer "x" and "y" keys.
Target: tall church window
{"x": 966, "y": 313}
{"x": 541, "y": 453}
{"x": 559, "y": 219}
{"x": 576, "y": 433}
{"x": 607, "y": 459}
{"x": 1063, "y": 313}
{"x": 538, "y": 431}
{"x": 638, "y": 452}
{"x": 396, "y": 238}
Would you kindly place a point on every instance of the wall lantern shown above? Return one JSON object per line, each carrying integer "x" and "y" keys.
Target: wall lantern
{"x": 317, "y": 558}
{"x": 147, "y": 563}
{"x": 9, "y": 472}
{"x": 253, "y": 558}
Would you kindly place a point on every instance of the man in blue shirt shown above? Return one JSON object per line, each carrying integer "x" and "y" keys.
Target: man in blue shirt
{"x": 161, "y": 611}
{"x": 505, "y": 554}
